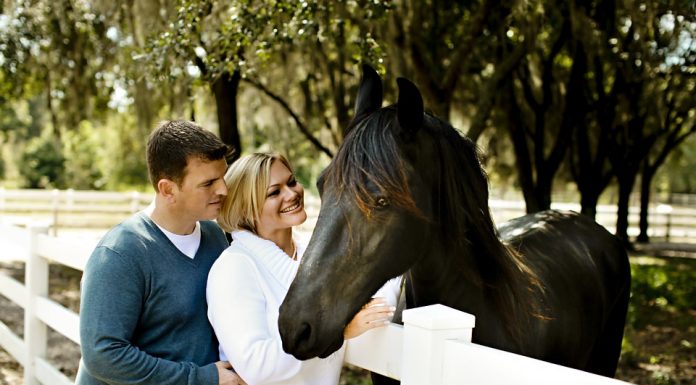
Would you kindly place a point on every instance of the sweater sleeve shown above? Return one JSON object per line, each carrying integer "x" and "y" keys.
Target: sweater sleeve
{"x": 237, "y": 309}
{"x": 113, "y": 291}
{"x": 391, "y": 291}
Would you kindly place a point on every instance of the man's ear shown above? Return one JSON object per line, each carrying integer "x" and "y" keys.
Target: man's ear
{"x": 167, "y": 188}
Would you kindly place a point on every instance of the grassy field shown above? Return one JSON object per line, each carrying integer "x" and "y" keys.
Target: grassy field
{"x": 659, "y": 344}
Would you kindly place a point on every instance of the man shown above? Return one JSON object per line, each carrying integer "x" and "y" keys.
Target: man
{"x": 143, "y": 316}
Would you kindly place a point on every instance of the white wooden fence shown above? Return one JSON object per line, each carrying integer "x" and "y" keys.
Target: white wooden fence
{"x": 37, "y": 248}
{"x": 74, "y": 209}
{"x": 433, "y": 347}
{"x": 71, "y": 208}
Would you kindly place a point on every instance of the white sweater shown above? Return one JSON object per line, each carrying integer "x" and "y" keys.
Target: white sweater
{"x": 246, "y": 286}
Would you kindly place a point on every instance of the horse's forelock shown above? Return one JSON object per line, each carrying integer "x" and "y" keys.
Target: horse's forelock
{"x": 371, "y": 154}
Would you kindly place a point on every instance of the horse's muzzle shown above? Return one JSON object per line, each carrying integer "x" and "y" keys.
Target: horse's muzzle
{"x": 301, "y": 339}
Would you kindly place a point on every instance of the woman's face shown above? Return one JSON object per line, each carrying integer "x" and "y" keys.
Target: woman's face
{"x": 284, "y": 205}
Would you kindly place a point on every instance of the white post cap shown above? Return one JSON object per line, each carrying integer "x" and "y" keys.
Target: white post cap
{"x": 438, "y": 317}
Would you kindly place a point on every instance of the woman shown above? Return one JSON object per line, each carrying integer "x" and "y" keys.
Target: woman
{"x": 249, "y": 281}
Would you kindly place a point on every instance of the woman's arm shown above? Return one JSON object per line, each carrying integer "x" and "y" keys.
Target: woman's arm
{"x": 237, "y": 310}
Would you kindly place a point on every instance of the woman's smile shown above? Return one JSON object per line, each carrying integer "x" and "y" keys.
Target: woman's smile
{"x": 292, "y": 208}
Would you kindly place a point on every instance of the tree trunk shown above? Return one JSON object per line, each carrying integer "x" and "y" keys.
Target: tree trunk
{"x": 225, "y": 89}
{"x": 543, "y": 191}
{"x": 588, "y": 202}
{"x": 50, "y": 107}
{"x": 525, "y": 174}
{"x": 645, "y": 182}
{"x": 143, "y": 107}
{"x": 626, "y": 182}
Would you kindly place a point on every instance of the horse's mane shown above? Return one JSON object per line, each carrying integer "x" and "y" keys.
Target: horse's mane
{"x": 370, "y": 159}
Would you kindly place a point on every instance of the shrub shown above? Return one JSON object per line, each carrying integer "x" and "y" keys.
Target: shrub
{"x": 42, "y": 164}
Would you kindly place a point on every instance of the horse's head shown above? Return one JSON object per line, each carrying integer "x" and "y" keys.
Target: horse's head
{"x": 376, "y": 215}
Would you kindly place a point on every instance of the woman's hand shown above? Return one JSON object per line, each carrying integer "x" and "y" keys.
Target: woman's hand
{"x": 374, "y": 314}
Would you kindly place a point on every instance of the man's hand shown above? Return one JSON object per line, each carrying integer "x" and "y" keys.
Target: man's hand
{"x": 226, "y": 376}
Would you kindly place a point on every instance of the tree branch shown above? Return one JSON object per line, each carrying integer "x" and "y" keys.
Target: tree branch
{"x": 302, "y": 127}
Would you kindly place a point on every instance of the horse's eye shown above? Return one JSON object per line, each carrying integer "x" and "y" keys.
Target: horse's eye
{"x": 382, "y": 202}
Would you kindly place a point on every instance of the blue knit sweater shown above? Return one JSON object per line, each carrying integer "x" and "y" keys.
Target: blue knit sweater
{"x": 143, "y": 316}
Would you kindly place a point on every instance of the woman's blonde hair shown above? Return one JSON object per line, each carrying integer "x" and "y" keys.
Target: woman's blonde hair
{"x": 247, "y": 180}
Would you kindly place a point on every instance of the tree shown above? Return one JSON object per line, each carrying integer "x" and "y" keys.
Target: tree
{"x": 57, "y": 49}
{"x": 649, "y": 53}
{"x": 543, "y": 101}
{"x": 676, "y": 120}
{"x": 320, "y": 50}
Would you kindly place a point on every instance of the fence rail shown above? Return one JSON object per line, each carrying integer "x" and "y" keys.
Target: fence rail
{"x": 38, "y": 249}
{"x": 433, "y": 347}
{"x": 71, "y": 208}
{"x": 100, "y": 210}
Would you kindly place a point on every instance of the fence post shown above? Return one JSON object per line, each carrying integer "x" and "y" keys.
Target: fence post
{"x": 36, "y": 282}
{"x": 135, "y": 201}
{"x": 666, "y": 210}
{"x": 55, "y": 201}
{"x": 425, "y": 331}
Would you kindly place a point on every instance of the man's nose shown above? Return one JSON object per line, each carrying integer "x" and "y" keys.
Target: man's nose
{"x": 221, "y": 187}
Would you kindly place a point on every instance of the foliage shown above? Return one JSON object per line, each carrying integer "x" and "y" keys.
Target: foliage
{"x": 616, "y": 73}
{"x": 80, "y": 151}
{"x": 58, "y": 49}
{"x": 658, "y": 340}
{"x": 122, "y": 155}
{"x": 678, "y": 175}
{"x": 42, "y": 164}
{"x": 663, "y": 286}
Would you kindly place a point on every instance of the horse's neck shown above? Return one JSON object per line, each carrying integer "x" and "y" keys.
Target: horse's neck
{"x": 439, "y": 279}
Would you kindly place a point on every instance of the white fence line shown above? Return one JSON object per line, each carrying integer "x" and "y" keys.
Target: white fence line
{"x": 66, "y": 209}
{"x": 38, "y": 249}
{"x": 71, "y": 208}
{"x": 433, "y": 347}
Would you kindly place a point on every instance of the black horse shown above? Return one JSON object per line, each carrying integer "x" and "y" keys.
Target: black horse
{"x": 406, "y": 194}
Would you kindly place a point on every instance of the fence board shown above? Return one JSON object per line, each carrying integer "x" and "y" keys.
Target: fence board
{"x": 49, "y": 375}
{"x": 69, "y": 253}
{"x": 483, "y": 365}
{"x": 13, "y": 290}
{"x": 12, "y": 344}
{"x": 378, "y": 350}
{"x": 60, "y": 319}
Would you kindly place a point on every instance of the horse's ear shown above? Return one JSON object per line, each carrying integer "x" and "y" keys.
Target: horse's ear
{"x": 409, "y": 106}
{"x": 369, "y": 96}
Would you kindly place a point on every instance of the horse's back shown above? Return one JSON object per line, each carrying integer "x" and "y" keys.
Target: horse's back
{"x": 586, "y": 273}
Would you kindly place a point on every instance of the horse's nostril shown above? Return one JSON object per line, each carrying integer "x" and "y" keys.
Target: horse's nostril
{"x": 304, "y": 334}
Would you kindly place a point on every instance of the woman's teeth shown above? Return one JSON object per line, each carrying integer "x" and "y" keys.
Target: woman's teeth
{"x": 293, "y": 207}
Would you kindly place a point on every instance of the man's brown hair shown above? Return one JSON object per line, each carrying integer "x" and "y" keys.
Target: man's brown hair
{"x": 173, "y": 142}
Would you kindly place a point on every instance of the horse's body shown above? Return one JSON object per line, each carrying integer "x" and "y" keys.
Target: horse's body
{"x": 406, "y": 194}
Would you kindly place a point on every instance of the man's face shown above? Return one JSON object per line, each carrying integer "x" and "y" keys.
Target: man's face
{"x": 200, "y": 194}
